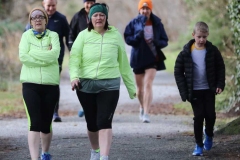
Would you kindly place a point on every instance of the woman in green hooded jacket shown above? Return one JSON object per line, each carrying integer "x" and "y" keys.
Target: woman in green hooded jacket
{"x": 39, "y": 50}
{"x": 97, "y": 61}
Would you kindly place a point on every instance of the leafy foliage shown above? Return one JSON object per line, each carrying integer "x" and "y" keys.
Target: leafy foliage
{"x": 8, "y": 25}
{"x": 215, "y": 14}
{"x": 233, "y": 9}
{"x": 9, "y": 63}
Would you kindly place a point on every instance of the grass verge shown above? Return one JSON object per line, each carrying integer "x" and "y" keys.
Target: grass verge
{"x": 11, "y": 103}
{"x": 171, "y": 53}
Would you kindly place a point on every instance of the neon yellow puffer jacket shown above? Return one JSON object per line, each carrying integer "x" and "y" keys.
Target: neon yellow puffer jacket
{"x": 94, "y": 56}
{"x": 40, "y": 65}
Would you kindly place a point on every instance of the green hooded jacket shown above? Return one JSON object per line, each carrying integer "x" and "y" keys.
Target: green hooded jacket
{"x": 96, "y": 56}
{"x": 39, "y": 64}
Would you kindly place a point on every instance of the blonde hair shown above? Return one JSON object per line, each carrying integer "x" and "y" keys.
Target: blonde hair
{"x": 201, "y": 26}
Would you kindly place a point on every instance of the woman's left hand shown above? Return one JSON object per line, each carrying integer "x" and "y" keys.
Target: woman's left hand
{"x": 74, "y": 84}
{"x": 218, "y": 90}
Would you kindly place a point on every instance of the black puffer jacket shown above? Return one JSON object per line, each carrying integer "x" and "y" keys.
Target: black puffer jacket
{"x": 183, "y": 70}
{"x": 78, "y": 23}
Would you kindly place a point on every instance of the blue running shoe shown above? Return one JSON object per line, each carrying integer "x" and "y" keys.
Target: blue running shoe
{"x": 80, "y": 113}
{"x": 208, "y": 141}
{"x": 46, "y": 156}
{"x": 198, "y": 151}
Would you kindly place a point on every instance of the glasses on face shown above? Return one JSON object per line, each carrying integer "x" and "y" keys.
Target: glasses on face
{"x": 38, "y": 18}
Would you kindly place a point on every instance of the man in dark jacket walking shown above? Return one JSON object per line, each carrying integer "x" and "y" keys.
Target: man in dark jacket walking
{"x": 200, "y": 75}
{"x": 57, "y": 23}
{"x": 78, "y": 23}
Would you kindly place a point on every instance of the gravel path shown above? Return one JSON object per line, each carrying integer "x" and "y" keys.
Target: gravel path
{"x": 132, "y": 139}
{"x": 167, "y": 137}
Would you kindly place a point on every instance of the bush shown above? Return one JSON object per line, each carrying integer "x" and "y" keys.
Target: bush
{"x": 9, "y": 61}
{"x": 7, "y": 26}
{"x": 215, "y": 14}
{"x": 233, "y": 9}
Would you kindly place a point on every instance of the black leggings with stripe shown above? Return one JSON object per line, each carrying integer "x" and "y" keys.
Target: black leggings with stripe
{"x": 40, "y": 101}
{"x": 99, "y": 108}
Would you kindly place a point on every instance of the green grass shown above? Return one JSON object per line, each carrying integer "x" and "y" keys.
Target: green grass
{"x": 171, "y": 52}
{"x": 11, "y": 100}
{"x": 184, "y": 106}
{"x": 222, "y": 122}
{"x": 170, "y": 61}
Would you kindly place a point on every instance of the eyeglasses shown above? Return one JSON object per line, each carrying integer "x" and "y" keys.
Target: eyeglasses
{"x": 38, "y": 18}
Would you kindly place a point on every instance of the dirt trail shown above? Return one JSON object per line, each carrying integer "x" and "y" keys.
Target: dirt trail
{"x": 167, "y": 137}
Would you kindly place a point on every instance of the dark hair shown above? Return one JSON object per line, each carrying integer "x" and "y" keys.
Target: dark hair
{"x": 90, "y": 25}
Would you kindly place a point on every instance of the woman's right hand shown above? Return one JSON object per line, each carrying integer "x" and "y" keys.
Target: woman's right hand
{"x": 74, "y": 84}
{"x": 139, "y": 35}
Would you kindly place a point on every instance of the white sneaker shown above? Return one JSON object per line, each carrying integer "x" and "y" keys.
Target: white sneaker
{"x": 141, "y": 112}
{"x": 146, "y": 118}
{"x": 104, "y": 158}
{"x": 95, "y": 155}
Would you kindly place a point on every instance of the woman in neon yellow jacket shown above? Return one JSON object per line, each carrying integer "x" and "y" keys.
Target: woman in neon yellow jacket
{"x": 39, "y": 49}
{"x": 97, "y": 60}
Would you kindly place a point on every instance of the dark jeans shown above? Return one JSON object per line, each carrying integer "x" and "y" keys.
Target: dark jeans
{"x": 99, "y": 108}
{"x": 203, "y": 105}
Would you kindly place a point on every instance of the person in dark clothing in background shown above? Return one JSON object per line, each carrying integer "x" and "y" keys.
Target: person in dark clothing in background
{"x": 57, "y": 23}
{"x": 200, "y": 75}
{"x": 78, "y": 23}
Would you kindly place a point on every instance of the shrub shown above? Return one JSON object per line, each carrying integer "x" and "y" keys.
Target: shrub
{"x": 9, "y": 62}
{"x": 233, "y": 9}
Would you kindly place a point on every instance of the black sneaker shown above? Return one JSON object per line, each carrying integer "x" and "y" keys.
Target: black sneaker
{"x": 56, "y": 118}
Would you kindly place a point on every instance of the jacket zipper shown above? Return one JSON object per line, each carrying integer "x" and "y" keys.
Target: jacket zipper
{"x": 99, "y": 59}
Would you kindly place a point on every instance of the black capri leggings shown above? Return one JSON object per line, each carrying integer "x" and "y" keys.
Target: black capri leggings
{"x": 40, "y": 101}
{"x": 99, "y": 108}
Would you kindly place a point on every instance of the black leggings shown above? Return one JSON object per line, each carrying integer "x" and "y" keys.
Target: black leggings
{"x": 40, "y": 101}
{"x": 203, "y": 105}
{"x": 99, "y": 108}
